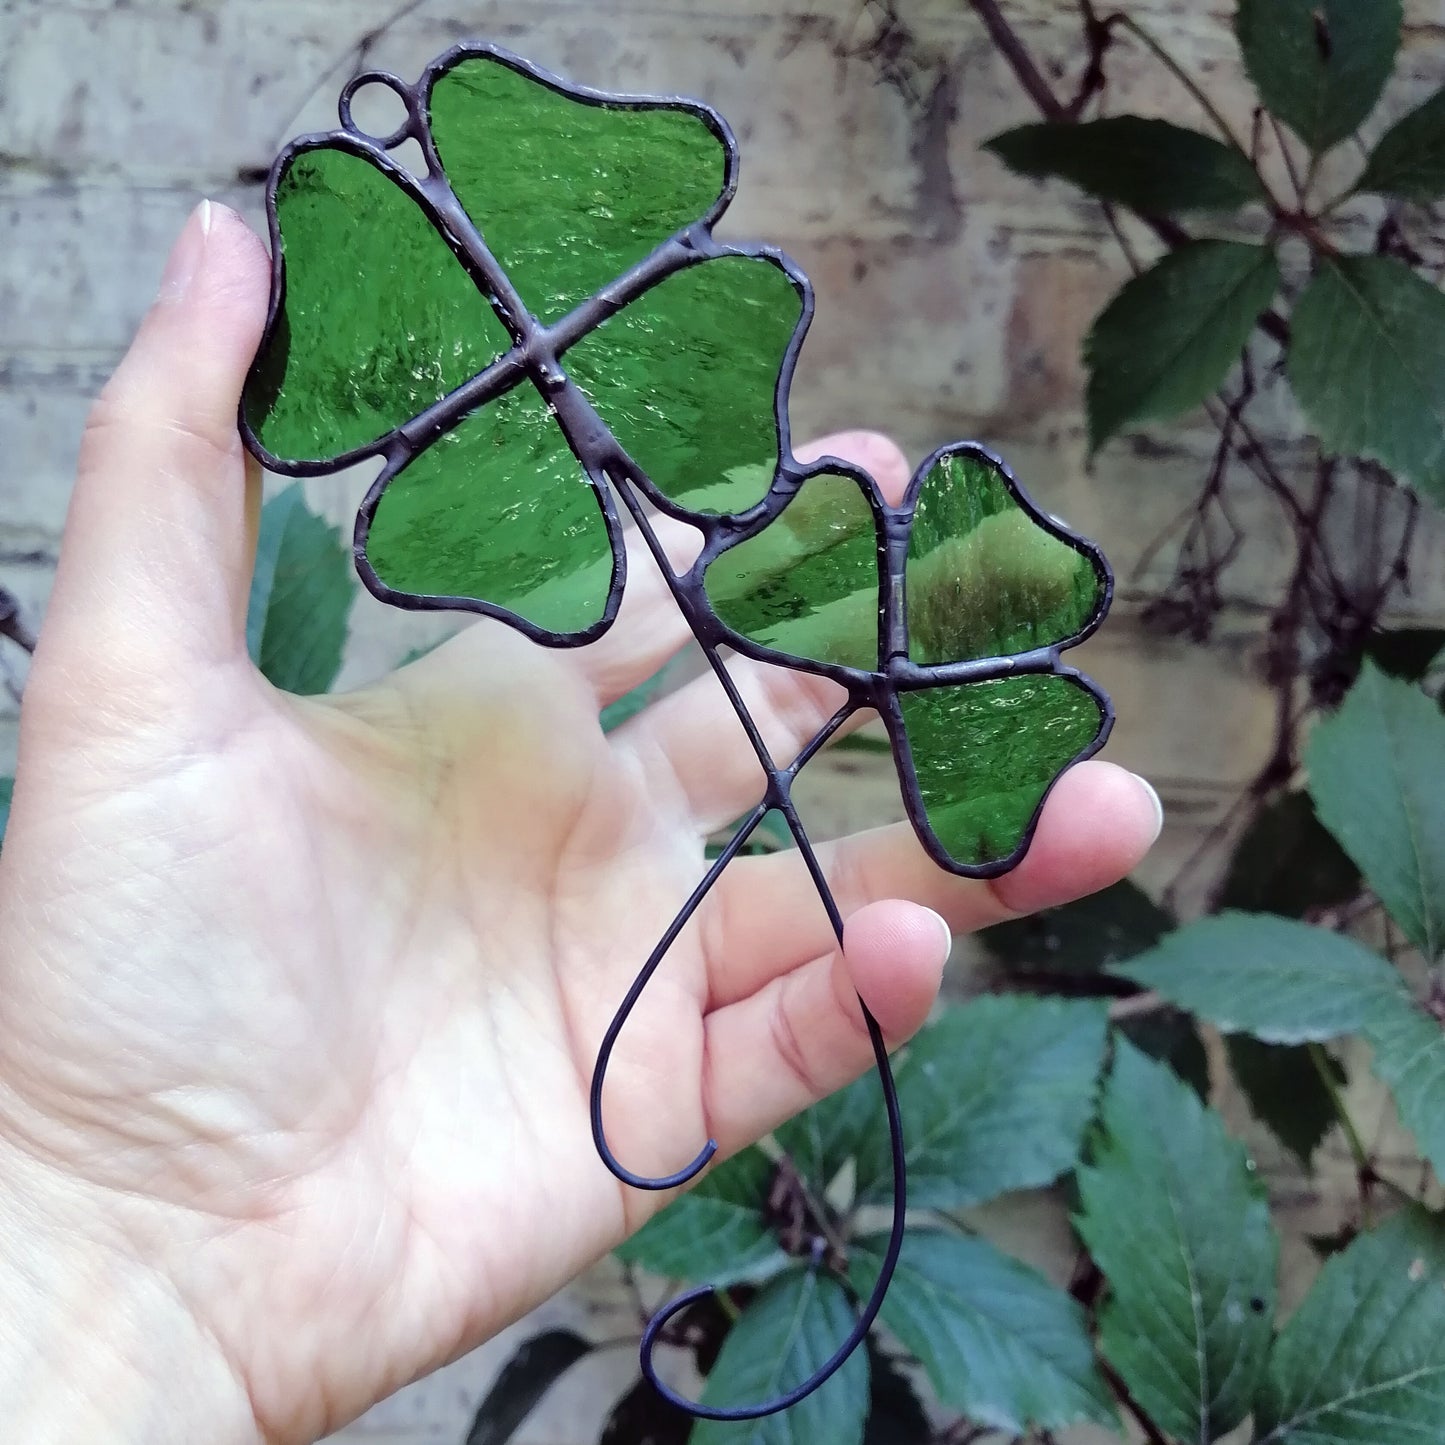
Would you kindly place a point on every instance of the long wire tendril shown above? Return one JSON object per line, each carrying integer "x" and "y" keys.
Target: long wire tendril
{"x": 778, "y": 796}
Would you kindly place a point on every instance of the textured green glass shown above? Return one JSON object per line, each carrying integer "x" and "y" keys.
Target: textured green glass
{"x": 687, "y": 375}
{"x": 807, "y": 584}
{"x": 380, "y": 320}
{"x": 983, "y": 578}
{"x": 985, "y": 754}
{"x": 498, "y": 509}
{"x": 568, "y": 195}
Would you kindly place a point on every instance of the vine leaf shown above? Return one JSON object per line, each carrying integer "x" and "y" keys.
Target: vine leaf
{"x": 1369, "y": 328}
{"x": 1319, "y": 65}
{"x": 386, "y": 338}
{"x": 1170, "y": 337}
{"x": 896, "y": 1415}
{"x": 1285, "y": 1091}
{"x": 1281, "y": 981}
{"x": 1374, "y": 769}
{"x": 1000, "y": 1343}
{"x": 1175, "y": 1217}
{"x": 821, "y": 1140}
{"x": 783, "y": 1335}
{"x": 1408, "y": 1056}
{"x": 1409, "y": 161}
{"x": 1363, "y": 1359}
{"x": 1082, "y": 937}
{"x": 7, "y": 790}
{"x": 1152, "y": 166}
{"x": 301, "y": 596}
{"x": 998, "y": 1094}
{"x": 1288, "y": 863}
{"x": 718, "y": 1224}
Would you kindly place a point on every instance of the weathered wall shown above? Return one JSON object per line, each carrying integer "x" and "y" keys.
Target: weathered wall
{"x": 951, "y": 303}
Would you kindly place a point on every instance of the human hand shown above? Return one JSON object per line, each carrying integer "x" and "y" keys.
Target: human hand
{"x": 301, "y": 997}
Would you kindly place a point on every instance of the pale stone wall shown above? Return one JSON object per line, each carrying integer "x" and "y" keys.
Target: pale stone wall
{"x": 951, "y": 301}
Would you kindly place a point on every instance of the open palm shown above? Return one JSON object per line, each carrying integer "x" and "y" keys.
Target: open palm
{"x": 301, "y": 998}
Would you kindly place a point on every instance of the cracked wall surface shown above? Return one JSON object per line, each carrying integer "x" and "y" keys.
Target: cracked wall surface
{"x": 952, "y": 299}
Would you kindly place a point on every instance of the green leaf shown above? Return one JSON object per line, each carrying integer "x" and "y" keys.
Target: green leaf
{"x": 1319, "y": 65}
{"x": 7, "y": 790}
{"x": 714, "y": 1231}
{"x": 808, "y": 583}
{"x": 1285, "y": 1091}
{"x": 1409, "y": 1058}
{"x": 1148, "y": 165}
{"x": 1367, "y": 365}
{"x": 821, "y": 1140}
{"x": 1282, "y": 981}
{"x": 1375, "y": 770}
{"x": 997, "y": 1094}
{"x": 784, "y": 1334}
{"x": 1409, "y": 161}
{"x": 1170, "y": 337}
{"x": 524, "y": 1379}
{"x": 985, "y": 755}
{"x": 569, "y": 195}
{"x": 1081, "y": 937}
{"x": 1176, "y": 1219}
{"x": 1000, "y": 1343}
{"x": 301, "y": 596}
{"x": 686, "y": 377}
{"x": 378, "y": 318}
{"x": 987, "y": 574}
{"x": 1362, "y": 1362}
{"x": 1288, "y": 863}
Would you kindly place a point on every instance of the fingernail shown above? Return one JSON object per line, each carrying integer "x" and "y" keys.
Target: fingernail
{"x": 186, "y": 255}
{"x": 944, "y": 929}
{"x": 1158, "y": 805}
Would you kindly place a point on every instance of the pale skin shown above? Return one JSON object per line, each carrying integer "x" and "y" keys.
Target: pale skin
{"x": 299, "y": 999}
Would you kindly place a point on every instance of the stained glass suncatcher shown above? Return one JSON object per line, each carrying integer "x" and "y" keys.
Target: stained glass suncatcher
{"x": 538, "y": 335}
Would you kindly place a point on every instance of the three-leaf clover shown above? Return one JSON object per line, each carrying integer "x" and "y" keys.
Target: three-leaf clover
{"x": 947, "y": 614}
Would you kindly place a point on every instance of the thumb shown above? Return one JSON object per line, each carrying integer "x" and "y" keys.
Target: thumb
{"x": 155, "y": 566}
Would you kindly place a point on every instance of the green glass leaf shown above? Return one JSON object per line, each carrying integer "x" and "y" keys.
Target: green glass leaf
{"x": 1000, "y": 1343}
{"x": 1171, "y": 336}
{"x": 1375, "y": 778}
{"x": 986, "y": 753}
{"x": 808, "y": 583}
{"x": 1409, "y": 161}
{"x": 1148, "y": 165}
{"x": 687, "y": 379}
{"x": 1282, "y": 981}
{"x": 1362, "y": 1361}
{"x": 1177, "y": 1220}
{"x": 717, "y": 1226}
{"x": 984, "y": 578}
{"x": 569, "y": 194}
{"x": 498, "y": 509}
{"x": 997, "y": 1094}
{"x": 379, "y": 319}
{"x": 1319, "y": 65}
{"x": 1367, "y": 365}
{"x": 784, "y": 1334}
{"x": 301, "y": 595}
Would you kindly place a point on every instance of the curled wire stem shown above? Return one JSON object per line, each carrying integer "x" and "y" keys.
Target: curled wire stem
{"x": 777, "y": 797}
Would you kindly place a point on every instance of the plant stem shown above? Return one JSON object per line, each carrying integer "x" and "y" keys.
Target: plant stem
{"x": 726, "y": 1305}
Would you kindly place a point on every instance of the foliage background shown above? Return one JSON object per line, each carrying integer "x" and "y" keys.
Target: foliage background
{"x": 953, "y": 301}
